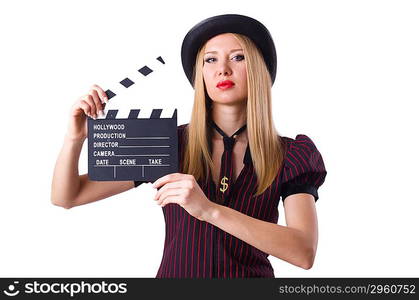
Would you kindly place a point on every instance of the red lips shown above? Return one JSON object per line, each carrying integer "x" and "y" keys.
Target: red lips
{"x": 225, "y": 84}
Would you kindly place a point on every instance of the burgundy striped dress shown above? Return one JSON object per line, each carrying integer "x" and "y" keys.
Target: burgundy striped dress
{"x": 197, "y": 249}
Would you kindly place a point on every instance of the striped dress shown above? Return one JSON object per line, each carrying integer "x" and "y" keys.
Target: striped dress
{"x": 198, "y": 249}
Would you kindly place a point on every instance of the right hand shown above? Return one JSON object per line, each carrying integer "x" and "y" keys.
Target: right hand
{"x": 92, "y": 105}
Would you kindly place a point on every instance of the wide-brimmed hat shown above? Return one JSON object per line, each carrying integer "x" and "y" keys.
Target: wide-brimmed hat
{"x": 232, "y": 23}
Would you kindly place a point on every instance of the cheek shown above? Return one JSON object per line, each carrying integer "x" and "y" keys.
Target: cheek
{"x": 206, "y": 76}
{"x": 208, "y": 84}
{"x": 243, "y": 78}
{"x": 208, "y": 80}
{"x": 243, "y": 73}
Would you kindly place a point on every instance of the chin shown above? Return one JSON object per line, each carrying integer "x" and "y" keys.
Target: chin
{"x": 227, "y": 97}
{"x": 229, "y": 101}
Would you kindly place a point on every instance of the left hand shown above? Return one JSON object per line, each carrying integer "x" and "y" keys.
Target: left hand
{"x": 184, "y": 190}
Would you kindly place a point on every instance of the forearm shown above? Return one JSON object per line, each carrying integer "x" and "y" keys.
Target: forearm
{"x": 283, "y": 242}
{"x": 65, "y": 181}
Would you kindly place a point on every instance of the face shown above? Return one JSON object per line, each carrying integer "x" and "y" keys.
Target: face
{"x": 224, "y": 62}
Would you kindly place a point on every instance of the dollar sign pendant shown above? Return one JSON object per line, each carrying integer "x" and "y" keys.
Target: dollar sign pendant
{"x": 224, "y": 184}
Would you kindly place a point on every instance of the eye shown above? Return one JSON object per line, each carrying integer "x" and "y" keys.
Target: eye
{"x": 239, "y": 57}
{"x": 208, "y": 60}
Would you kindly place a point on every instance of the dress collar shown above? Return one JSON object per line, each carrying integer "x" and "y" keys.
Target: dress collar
{"x": 247, "y": 159}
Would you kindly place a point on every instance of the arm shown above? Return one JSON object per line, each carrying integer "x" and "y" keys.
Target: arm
{"x": 295, "y": 243}
{"x": 69, "y": 189}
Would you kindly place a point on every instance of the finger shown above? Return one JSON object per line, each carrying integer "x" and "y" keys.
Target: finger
{"x": 168, "y": 178}
{"x": 96, "y": 100}
{"x": 89, "y": 100}
{"x": 85, "y": 107}
{"x": 169, "y": 193}
{"x": 175, "y": 184}
{"x": 102, "y": 95}
{"x": 171, "y": 199}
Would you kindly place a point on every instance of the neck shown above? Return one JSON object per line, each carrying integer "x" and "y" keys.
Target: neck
{"x": 229, "y": 118}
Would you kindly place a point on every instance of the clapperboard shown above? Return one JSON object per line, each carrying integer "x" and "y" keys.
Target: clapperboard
{"x": 128, "y": 145}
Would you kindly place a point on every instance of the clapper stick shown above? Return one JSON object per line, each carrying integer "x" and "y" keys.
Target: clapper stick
{"x": 131, "y": 147}
{"x": 145, "y": 70}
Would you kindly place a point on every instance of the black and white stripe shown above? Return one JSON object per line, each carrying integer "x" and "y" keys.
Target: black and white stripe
{"x": 137, "y": 114}
{"x": 127, "y": 82}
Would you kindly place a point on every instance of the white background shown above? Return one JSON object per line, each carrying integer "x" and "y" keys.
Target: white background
{"x": 348, "y": 74}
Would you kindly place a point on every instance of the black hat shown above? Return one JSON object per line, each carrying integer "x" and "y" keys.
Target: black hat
{"x": 208, "y": 28}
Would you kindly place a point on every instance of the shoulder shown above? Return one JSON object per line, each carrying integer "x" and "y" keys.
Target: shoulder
{"x": 300, "y": 150}
{"x": 304, "y": 168}
{"x": 300, "y": 143}
{"x": 303, "y": 160}
{"x": 181, "y": 130}
{"x": 182, "y": 127}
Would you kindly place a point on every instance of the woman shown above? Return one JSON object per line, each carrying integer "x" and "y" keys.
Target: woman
{"x": 220, "y": 209}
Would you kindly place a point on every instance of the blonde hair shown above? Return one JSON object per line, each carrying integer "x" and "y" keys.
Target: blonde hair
{"x": 266, "y": 146}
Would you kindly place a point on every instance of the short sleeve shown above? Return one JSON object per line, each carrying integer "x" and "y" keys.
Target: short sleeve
{"x": 304, "y": 169}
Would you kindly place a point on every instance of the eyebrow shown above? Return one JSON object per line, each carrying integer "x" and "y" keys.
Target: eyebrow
{"x": 234, "y": 50}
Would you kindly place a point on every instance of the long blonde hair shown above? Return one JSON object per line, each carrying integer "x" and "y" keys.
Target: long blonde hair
{"x": 266, "y": 146}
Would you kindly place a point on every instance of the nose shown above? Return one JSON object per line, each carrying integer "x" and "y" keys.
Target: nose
{"x": 224, "y": 69}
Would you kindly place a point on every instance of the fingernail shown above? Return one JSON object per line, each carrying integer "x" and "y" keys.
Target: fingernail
{"x": 106, "y": 100}
{"x": 102, "y": 113}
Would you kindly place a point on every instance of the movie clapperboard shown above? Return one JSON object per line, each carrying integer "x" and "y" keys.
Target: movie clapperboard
{"x": 128, "y": 146}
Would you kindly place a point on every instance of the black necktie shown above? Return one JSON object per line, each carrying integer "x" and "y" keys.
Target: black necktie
{"x": 226, "y": 172}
